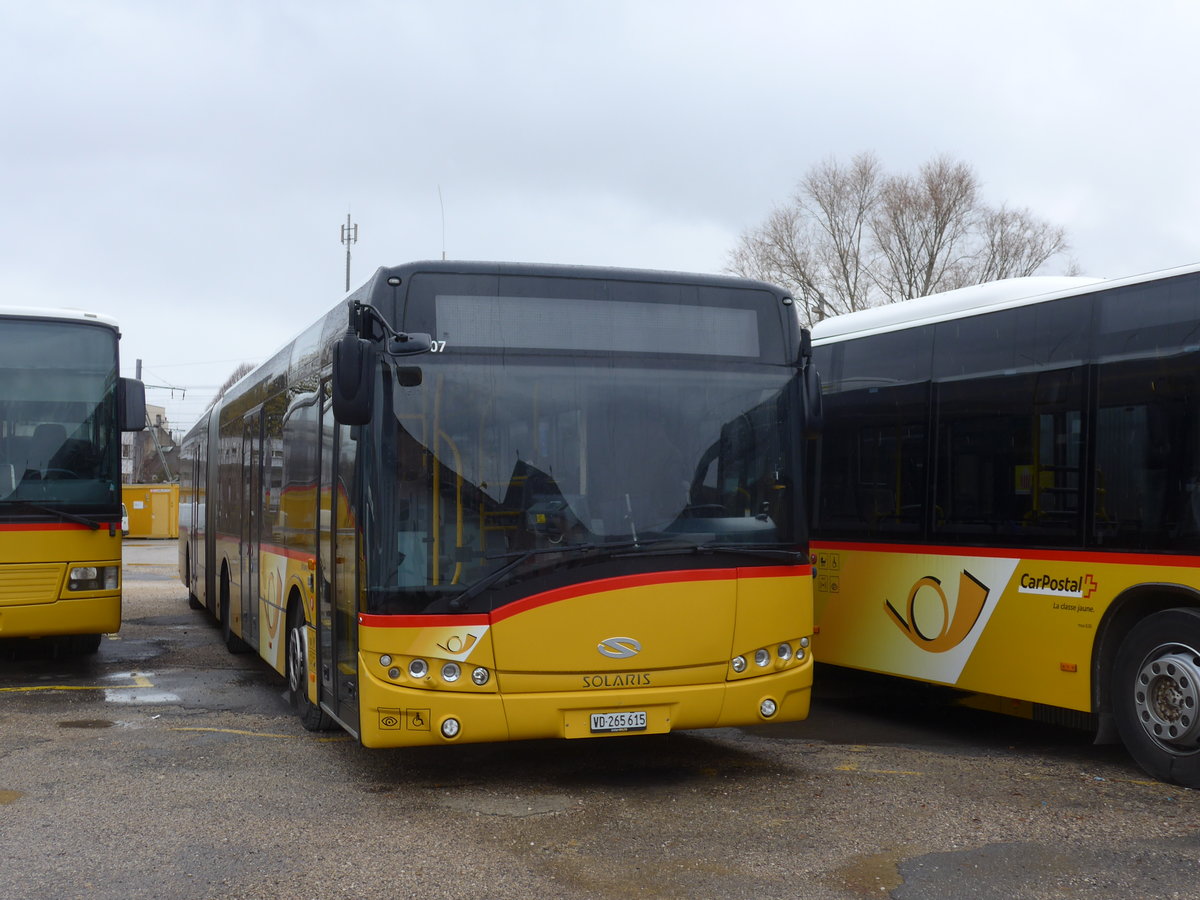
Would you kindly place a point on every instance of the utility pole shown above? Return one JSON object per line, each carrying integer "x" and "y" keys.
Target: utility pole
{"x": 349, "y": 238}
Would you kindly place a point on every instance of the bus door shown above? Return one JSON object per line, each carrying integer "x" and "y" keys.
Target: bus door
{"x": 337, "y": 600}
{"x": 252, "y": 508}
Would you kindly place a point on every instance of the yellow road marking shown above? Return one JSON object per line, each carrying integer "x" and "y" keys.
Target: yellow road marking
{"x": 263, "y": 734}
{"x": 139, "y": 681}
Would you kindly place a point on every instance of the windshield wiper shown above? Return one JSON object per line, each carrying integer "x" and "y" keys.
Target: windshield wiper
{"x": 792, "y": 556}
{"x": 655, "y": 547}
{"x": 459, "y": 603}
{"x": 49, "y": 510}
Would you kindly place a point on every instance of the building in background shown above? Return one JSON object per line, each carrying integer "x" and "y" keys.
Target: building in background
{"x": 150, "y": 456}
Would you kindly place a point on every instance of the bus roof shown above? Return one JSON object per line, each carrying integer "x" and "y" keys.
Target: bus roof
{"x": 979, "y": 298}
{"x": 555, "y": 270}
{"x": 77, "y": 315}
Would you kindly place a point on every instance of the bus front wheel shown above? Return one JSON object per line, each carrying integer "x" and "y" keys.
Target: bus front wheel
{"x": 311, "y": 715}
{"x": 1156, "y": 699}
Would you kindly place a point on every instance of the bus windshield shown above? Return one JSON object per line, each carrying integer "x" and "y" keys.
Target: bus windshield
{"x": 57, "y": 390}
{"x": 493, "y": 459}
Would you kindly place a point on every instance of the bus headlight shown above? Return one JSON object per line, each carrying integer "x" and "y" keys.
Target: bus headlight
{"x": 739, "y": 664}
{"x": 762, "y": 657}
{"x": 450, "y": 672}
{"x": 93, "y": 578}
{"x": 785, "y": 652}
{"x": 480, "y": 676}
{"x": 767, "y": 708}
{"x": 418, "y": 668}
{"x": 450, "y": 728}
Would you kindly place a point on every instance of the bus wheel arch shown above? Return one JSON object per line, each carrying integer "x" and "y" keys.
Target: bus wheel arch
{"x": 233, "y": 643}
{"x": 1156, "y": 694}
{"x": 1127, "y": 609}
{"x": 296, "y": 667}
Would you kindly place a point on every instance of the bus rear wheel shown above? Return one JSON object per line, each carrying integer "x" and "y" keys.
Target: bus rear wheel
{"x": 1156, "y": 699}
{"x": 311, "y": 715}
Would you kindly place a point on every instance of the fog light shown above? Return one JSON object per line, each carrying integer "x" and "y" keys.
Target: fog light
{"x": 480, "y": 676}
{"x": 762, "y": 657}
{"x": 785, "y": 652}
{"x": 739, "y": 664}
{"x": 767, "y": 708}
{"x": 418, "y": 668}
{"x": 450, "y": 728}
{"x": 450, "y": 672}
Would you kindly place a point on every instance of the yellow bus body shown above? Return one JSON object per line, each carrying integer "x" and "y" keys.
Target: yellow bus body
{"x": 553, "y": 691}
{"x": 1011, "y": 623}
{"x": 35, "y": 561}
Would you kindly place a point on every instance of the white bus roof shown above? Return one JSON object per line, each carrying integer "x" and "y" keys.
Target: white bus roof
{"x": 35, "y": 312}
{"x": 979, "y": 298}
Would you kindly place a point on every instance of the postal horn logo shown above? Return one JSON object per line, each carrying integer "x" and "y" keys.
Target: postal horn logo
{"x": 931, "y": 625}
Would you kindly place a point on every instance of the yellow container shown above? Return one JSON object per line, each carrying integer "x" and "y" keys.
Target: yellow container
{"x": 153, "y": 510}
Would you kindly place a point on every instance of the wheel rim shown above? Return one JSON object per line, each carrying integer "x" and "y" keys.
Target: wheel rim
{"x": 297, "y": 658}
{"x": 1166, "y": 696}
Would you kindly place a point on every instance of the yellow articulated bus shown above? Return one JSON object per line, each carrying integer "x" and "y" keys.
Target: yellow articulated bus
{"x": 62, "y": 409}
{"x": 489, "y": 502}
{"x": 1008, "y": 502}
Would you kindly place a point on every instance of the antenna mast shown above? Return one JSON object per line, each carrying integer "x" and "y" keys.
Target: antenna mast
{"x": 349, "y": 238}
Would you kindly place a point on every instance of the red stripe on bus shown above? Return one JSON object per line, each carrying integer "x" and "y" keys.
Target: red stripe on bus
{"x": 1121, "y": 557}
{"x": 603, "y": 585}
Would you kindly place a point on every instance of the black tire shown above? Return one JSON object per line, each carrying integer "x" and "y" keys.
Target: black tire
{"x": 311, "y": 715}
{"x": 1156, "y": 695}
{"x": 81, "y": 644}
{"x": 193, "y": 600}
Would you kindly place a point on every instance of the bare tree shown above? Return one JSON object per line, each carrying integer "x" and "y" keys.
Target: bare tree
{"x": 1015, "y": 243}
{"x": 922, "y": 229}
{"x": 851, "y": 237}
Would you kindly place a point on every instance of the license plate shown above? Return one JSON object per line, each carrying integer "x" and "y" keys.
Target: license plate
{"x": 609, "y": 722}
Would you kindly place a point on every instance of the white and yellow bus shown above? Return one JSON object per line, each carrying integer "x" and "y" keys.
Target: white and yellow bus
{"x": 488, "y": 502}
{"x": 62, "y": 409}
{"x": 1008, "y": 502}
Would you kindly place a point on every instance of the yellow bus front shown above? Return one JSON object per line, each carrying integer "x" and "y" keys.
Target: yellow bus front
{"x": 59, "y": 579}
{"x": 648, "y": 653}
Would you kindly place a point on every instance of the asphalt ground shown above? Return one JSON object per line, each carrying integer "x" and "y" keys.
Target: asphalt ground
{"x": 164, "y": 767}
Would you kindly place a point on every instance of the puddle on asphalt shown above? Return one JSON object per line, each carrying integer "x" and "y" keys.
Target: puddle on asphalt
{"x": 87, "y": 723}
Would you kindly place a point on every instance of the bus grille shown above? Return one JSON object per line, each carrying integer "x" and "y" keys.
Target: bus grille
{"x": 30, "y": 584}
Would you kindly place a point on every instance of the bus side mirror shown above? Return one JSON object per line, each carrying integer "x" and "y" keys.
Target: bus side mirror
{"x": 131, "y": 404}
{"x": 353, "y": 379}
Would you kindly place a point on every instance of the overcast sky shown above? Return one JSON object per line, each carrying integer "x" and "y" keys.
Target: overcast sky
{"x": 186, "y": 166}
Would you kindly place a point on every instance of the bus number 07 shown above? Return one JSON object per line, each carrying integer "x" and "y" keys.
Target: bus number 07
{"x": 437, "y": 346}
